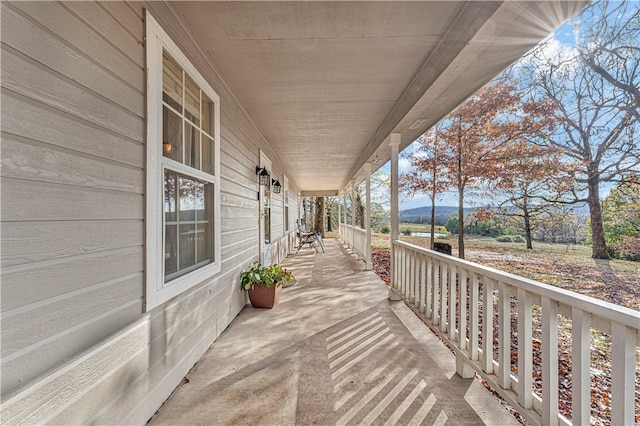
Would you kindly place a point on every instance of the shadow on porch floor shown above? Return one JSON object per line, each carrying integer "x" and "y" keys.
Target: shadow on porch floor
{"x": 334, "y": 350}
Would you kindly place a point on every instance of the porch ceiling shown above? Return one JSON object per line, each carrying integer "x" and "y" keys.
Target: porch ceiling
{"x": 326, "y": 82}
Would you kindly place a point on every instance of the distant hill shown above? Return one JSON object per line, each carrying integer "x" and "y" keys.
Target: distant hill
{"x": 423, "y": 214}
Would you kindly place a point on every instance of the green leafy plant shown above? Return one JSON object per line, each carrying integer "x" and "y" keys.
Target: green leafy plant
{"x": 265, "y": 276}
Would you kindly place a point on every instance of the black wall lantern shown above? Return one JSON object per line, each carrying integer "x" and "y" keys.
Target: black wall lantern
{"x": 263, "y": 175}
{"x": 276, "y": 186}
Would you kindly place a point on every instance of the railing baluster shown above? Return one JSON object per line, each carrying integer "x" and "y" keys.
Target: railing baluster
{"x": 403, "y": 272}
{"x": 414, "y": 278}
{"x": 444, "y": 279}
{"x": 423, "y": 282}
{"x": 525, "y": 357}
{"x": 487, "y": 325}
{"x": 474, "y": 317}
{"x": 453, "y": 295}
{"x": 462, "y": 310}
{"x": 580, "y": 363}
{"x": 430, "y": 280}
{"x": 407, "y": 289}
{"x": 504, "y": 336}
{"x": 399, "y": 270}
{"x": 623, "y": 354}
{"x": 549, "y": 361}
{"x": 436, "y": 292}
{"x": 411, "y": 278}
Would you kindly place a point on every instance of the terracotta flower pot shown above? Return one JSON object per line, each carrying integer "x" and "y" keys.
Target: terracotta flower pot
{"x": 264, "y": 297}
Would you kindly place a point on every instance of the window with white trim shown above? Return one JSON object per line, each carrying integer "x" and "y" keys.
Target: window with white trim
{"x": 286, "y": 203}
{"x": 183, "y": 171}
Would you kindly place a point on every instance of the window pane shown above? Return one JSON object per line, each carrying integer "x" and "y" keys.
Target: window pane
{"x": 171, "y": 135}
{"x": 208, "y": 155}
{"x": 204, "y": 242}
{"x": 171, "y": 82}
{"x": 192, "y": 101}
{"x": 170, "y": 249}
{"x": 286, "y": 218}
{"x": 191, "y": 198}
{"x": 187, "y": 246}
{"x": 191, "y": 146}
{"x": 204, "y": 213}
{"x": 170, "y": 186}
{"x": 207, "y": 114}
{"x": 267, "y": 225}
{"x": 188, "y": 234}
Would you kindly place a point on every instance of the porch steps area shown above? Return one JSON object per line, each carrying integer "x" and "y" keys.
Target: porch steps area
{"x": 334, "y": 351}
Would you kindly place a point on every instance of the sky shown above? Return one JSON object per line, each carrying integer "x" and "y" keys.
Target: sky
{"x": 562, "y": 41}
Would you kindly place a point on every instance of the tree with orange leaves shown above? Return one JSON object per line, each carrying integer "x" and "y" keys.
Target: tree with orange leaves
{"x": 476, "y": 146}
{"x": 429, "y": 175}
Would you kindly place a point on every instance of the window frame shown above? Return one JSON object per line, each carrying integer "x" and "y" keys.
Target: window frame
{"x": 157, "y": 291}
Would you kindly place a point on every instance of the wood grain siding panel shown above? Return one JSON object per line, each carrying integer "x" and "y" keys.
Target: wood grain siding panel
{"x": 23, "y": 285}
{"x": 66, "y": 130}
{"x": 238, "y": 172}
{"x": 232, "y": 188}
{"x": 30, "y": 366}
{"x": 95, "y": 17}
{"x": 28, "y": 328}
{"x": 32, "y": 40}
{"x": 231, "y": 237}
{"x": 231, "y": 199}
{"x": 77, "y": 378}
{"x": 232, "y": 224}
{"x": 57, "y": 20}
{"x": 127, "y": 17}
{"x": 25, "y": 201}
{"x": 239, "y": 247}
{"x": 26, "y": 242}
{"x": 235, "y": 148}
{"x": 23, "y": 75}
{"x": 30, "y": 160}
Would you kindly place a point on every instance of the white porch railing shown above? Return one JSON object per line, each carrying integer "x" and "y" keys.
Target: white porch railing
{"x": 355, "y": 237}
{"x": 450, "y": 295}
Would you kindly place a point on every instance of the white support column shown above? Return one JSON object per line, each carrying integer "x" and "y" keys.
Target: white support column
{"x": 367, "y": 219}
{"x": 344, "y": 212}
{"x": 394, "y": 144}
{"x": 353, "y": 203}
{"x": 339, "y": 209}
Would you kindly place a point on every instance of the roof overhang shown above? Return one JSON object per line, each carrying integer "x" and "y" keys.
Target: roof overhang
{"x": 327, "y": 82}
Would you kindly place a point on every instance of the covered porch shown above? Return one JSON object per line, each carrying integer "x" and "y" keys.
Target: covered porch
{"x": 335, "y": 350}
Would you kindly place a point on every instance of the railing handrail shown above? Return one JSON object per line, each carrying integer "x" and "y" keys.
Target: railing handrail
{"x": 601, "y": 308}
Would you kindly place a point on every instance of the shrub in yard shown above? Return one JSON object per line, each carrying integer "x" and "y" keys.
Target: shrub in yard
{"x": 504, "y": 239}
{"x": 628, "y": 249}
{"x": 407, "y": 231}
{"x": 518, "y": 239}
{"x": 385, "y": 229}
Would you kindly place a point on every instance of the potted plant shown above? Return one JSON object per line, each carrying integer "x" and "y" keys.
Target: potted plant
{"x": 264, "y": 284}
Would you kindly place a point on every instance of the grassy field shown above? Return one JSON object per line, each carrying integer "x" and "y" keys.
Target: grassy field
{"x": 420, "y": 227}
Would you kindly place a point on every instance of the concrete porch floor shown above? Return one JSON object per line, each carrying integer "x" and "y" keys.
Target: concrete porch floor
{"x": 334, "y": 351}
